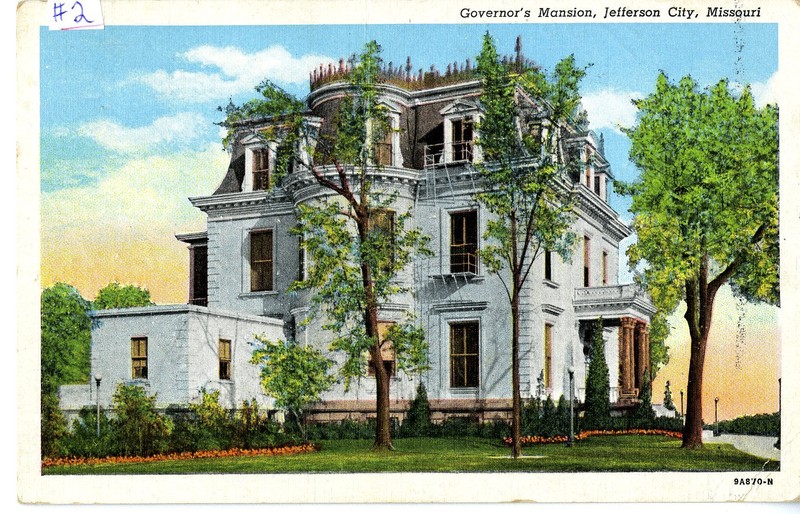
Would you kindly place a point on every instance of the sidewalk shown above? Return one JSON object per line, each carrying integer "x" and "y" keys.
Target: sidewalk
{"x": 760, "y": 446}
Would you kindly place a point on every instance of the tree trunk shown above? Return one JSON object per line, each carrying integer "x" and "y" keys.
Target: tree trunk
{"x": 693, "y": 427}
{"x": 516, "y": 403}
{"x": 383, "y": 436}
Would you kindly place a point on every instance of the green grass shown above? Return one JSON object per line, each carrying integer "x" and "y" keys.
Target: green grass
{"x": 600, "y": 453}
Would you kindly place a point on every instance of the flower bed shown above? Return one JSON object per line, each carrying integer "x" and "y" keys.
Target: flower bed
{"x": 233, "y": 452}
{"x": 537, "y": 439}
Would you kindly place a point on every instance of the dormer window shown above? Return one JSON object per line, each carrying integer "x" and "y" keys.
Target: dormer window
{"x": 462, "y": 143}
{"x": 261, "y": 169}
{"x": 387, "y": 145}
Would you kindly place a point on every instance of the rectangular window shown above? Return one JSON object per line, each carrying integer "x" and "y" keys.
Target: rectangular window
{"x": 605, "y": 268}
{"x": 261, "y": 261}
{"x": 548, "y": 356}
{"x": 462, "y": 139}
{"x": 387, "y": 350}
{"x": 224, "y": 359}
{"x": 139, "y": 357}
{"x": 597, "y": 185}
{"x": 261, "y": 170}
{"x": 464, "y": 338}
{"x": 464, "y": 242}
{"x": 384, "y": 149}
{"x": 198, "y": 282}
{"x": 548, "y": 265}
{"x": 586, "y": 243}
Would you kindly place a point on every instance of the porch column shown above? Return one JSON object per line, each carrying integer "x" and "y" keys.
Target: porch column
{"x": 642, "y": 353}
{"x": 626, "y": 365}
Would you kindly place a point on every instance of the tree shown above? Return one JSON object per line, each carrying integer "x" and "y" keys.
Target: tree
{"x": 418, "y": 418}
{"x": 706, "y": 208}
{"x": 644, "y": 409}
{"x": 65, "y": 337}
{"x": 668, "y": 403}
{"x": 139, "y": 428}
{"x": 521, "y": 179}
{"x": 117, "y": 296}
{"x": 294, "y": 375}
{"x": 597, "y": 405}
{"x": 355, "y": 242}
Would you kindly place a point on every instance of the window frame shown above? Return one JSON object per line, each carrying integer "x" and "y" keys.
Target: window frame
{"x": 225, "y": 359}
{"x": 467, "y": 361}
{"x": 547, "y": 354}
{"x": 587, "y": 258}
{"x": 454, "y": 249}
{"x": 139, "y": 360}
{"x": 267, "y": 263}
{"x": 259, "y": 175}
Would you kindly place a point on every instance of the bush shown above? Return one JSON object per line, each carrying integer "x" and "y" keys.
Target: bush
{"x": 53, "y": 426}
{"x": 139, "y": 428}
{"x": 345, "y": 429}
{"x": 82, "y": 440}
{"x": 758, "y": 424}
{"x": 597, "y": 382}
{"x": 418, "y": 419}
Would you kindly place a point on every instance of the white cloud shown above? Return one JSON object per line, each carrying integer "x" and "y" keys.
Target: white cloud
{"x": 140, "y": 195}
{"x": 765, "y": 93}
{"x": 612, "y": 109}
{"x": 181, "y": 129}
{"x": 231, "y": 72}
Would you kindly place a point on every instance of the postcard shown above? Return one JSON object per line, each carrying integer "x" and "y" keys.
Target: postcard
{"x": 406, "y": 252}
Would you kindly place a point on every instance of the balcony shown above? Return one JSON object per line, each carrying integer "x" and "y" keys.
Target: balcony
{"x": 459, "y": 151}
{"x": 612, "y": 302}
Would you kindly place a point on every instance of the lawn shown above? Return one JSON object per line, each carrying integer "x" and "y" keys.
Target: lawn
{"x": 600, "y": 453}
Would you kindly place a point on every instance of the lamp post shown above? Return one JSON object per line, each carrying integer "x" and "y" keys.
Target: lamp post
{"x": 97, "y": 379}
{"x": 716, "y": 418}
{"x": 681, "y": 404}
{"x": 571, "y": 441}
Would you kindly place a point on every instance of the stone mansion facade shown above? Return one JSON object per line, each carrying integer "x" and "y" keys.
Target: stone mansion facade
{"x": 243, "y": 264}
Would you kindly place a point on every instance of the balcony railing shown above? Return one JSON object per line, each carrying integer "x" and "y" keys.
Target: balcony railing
{"x": 463, "y": 259}
{"x": 460, "y": 151}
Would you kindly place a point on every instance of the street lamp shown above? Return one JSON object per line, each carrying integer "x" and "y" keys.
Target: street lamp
{"x": 97, "y": 379}
{"x": 716, "y": 418}
{"x": 571, "y": 371}
{"x": 681, "y": 403}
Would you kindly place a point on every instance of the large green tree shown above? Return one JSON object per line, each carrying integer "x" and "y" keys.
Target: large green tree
{"x": 522, "y": 177}
{"x": 705, "y": 206}
{"x": 65, "y": 337}
{"x": 356, "y": 241}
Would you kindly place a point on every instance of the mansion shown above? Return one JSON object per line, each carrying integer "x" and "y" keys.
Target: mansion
{"x": 243, "y": 264}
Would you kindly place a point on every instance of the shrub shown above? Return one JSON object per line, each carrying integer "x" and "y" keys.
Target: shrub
{"x": 53, "y": 426}
{"x": 597, "y": 403}
{"x": 213, "y": 427}
{"x": 418, "y": 419}
{"x": 345, "y": 429}
{"x": 757, "y": 424}
{"x": 644, "y": 409}
{"x": 139, "y": 428}
{"x": 82, "y": 440}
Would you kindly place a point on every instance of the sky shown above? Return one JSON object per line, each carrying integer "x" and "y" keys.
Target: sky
{"x": 128, "y": 133}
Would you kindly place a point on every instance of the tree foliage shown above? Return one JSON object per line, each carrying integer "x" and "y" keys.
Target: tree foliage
{"x": 705, "y": 206}
{"x": 65, "y": 337}
{"x": 294, "y": 375}
{"x": 522, "y": 177}
{"x": 139, "y": 428}
{"x": 118, "y": 296}
{"x": 597, "y": 404}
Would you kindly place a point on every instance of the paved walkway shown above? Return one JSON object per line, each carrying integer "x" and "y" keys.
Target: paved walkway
{"x": 757, "y": 445}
